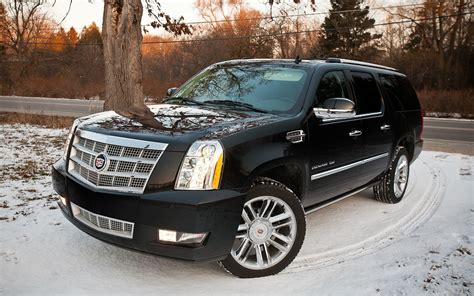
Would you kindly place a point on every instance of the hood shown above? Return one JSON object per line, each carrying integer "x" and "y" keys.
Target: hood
{"x": 177, "y": 125}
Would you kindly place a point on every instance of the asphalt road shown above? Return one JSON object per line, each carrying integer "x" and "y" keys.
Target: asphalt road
{"x": 449, "y": 130}
{"x": 50, "y": 106}
{"x": 449, "y": 135}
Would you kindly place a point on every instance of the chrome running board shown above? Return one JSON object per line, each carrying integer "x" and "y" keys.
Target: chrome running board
{"x": 313, "y": 209}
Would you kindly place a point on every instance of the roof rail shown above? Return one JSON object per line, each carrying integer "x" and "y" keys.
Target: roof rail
{"x": 358, "y": 63}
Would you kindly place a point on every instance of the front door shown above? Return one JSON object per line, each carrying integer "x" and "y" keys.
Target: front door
{"x": 335, "y": 145}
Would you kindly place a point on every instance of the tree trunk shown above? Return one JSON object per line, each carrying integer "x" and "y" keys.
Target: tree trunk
{"x": 122, "y": 40}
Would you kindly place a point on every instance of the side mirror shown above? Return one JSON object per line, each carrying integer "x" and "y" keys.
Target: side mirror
{"x": 335, "y": 108}
{"x": 171, "y": 91}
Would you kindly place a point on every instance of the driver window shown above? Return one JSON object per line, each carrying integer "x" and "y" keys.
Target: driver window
{"x": 332, "y": 85}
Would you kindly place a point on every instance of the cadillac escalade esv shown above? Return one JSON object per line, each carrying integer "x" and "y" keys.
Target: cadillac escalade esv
{"x": 229, "y": 164}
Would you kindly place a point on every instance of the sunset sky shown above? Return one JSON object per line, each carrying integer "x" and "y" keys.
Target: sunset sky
{"x": 83, "y": 12}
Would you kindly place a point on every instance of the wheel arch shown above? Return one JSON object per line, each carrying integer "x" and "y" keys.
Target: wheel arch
{"x": 292, "y": 173}
{"x": 407, "y": 141}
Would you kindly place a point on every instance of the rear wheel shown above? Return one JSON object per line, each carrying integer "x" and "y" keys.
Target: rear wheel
{"x": 393, "y": 184}
{"x": 270, "y": 234}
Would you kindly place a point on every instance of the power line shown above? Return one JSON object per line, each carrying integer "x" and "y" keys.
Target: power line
{"x": 403, "y": 21}
{"x": 297, "y": 32}
{"x": 268, "y": 17}
{"x": 298, "y": 15}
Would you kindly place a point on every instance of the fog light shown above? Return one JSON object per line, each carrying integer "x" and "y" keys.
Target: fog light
{"x": 175, "y": 237}
{"x": 62, "y": 199}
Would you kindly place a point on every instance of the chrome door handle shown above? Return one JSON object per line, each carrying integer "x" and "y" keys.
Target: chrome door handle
{"x": 385, "y": 127}
{"x": 355, "y": 133}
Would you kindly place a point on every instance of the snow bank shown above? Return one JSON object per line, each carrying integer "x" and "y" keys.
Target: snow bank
{"x": 359, "y": 247}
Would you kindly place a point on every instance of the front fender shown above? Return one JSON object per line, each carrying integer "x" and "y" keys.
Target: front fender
{"x": 247, "y": 161}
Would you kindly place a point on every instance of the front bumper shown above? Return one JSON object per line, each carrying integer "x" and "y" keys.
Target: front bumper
{"x": 216, "y": 212}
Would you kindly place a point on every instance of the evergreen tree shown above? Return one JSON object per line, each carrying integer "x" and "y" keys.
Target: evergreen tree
{"x": 60, "y": 41}
{"x": 346, "y": 31}
{"x": 91, "y": 35}
{"x": 72, "y": 36}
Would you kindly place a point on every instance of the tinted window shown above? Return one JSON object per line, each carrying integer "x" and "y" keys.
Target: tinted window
{"x": 367, "y": 93}
{"x": 400, "y": 92}
{"x": 332, "y": 85}
{"x": 274, "y": 88}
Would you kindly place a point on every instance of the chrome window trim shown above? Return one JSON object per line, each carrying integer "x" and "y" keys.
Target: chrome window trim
{"x": 347, "y": 167}
{"x": 120, "y": 141}
{"x": 358, "y": 116}
{"x": 76, "y": 214}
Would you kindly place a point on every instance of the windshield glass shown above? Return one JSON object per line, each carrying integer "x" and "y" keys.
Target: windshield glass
{"x": 266, "y": 87}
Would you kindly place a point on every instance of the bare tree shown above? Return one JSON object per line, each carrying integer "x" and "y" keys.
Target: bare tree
{"x": 23, "y": 25}
{"x": 440, "y": 29}
{"x": 286, "y": 18}
{"x": 122, "y": 40}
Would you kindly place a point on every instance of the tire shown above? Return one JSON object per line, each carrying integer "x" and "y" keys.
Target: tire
{"x": 394, "y": 182}
{"x": 276, "y": 228}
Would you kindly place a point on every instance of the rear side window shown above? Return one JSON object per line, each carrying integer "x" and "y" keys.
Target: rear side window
{"x": 400, "y": 92}
{"x": 332, "y": 85}
{"x": 367, "y": 93}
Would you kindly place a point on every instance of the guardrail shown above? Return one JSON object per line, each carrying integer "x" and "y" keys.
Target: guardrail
{"x": 50, "y": 106}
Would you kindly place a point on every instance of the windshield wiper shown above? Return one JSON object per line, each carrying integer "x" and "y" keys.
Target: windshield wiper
{"x": 235, "y": 103}
{"x": 183, "y": 99}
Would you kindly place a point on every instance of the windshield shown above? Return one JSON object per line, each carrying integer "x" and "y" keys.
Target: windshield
{"x": 261, "y": 87}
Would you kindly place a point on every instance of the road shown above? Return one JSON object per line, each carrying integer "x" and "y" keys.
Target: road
{"x": 50, "y": 106}
{"x": 448, "y": 135}
{"x": 449, "y": 130}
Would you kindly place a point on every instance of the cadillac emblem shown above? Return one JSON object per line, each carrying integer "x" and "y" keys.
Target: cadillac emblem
{"x": 100, "y": 161}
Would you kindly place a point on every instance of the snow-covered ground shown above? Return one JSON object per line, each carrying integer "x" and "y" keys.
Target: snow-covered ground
{"x": 359, "y": 246}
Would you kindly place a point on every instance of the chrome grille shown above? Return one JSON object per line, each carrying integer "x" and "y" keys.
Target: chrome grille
{"x": 129, "y": 162}
{"x": 102, "y": 223}
{"x": 114, "y": 150}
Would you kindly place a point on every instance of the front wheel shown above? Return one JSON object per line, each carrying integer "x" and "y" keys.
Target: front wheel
{"x": 270, "y": 234}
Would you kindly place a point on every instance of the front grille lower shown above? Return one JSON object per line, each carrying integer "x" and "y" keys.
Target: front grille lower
{"x": 129, "y": 162}
{"x": 102, "y": 223}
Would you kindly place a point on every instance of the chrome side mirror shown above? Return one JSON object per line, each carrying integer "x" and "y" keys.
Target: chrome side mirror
{"x": 171, "y": 91}
{"x": 335, "y": 108}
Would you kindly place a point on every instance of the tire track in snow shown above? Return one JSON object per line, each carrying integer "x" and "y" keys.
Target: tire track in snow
{"x": 425, "y": 207}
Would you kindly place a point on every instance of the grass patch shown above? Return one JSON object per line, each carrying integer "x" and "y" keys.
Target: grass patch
{"x": 448, "y": 101}
{"x": 42, "y": 120}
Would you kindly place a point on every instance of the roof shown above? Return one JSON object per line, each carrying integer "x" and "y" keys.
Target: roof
{"x": 310, "y": 62}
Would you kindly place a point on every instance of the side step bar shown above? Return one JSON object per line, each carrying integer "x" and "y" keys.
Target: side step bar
{"x": 314, "y": 208}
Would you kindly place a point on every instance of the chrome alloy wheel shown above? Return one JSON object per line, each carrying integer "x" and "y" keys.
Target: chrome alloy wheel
{"x": 401, "y": 176}
{"x": 266, "y": 233}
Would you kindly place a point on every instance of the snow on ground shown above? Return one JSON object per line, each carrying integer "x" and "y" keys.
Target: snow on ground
{"x": 421, "y": 246}
{"x": 26, "y": 156}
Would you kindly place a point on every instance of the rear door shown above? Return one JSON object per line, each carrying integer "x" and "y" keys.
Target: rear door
{"x": 376, "y": 124}
{"x": 335, "y": 145}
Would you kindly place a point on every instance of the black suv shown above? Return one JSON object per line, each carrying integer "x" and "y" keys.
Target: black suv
{"x": 227, "y": 167}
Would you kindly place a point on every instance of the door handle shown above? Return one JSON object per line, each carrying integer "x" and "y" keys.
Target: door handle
{"x": 355, "y": 133}
{"x": 385, "y": 127}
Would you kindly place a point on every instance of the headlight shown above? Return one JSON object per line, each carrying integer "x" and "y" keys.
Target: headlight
{"x": 202, "y": 167}
{"x": 69, "y": 137}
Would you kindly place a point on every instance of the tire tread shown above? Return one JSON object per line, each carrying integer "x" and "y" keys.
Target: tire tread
{"x": 383, "y": 190}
